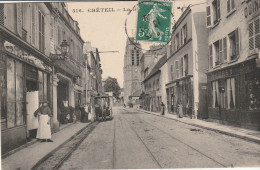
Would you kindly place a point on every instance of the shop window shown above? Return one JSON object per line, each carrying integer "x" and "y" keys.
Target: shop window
{"x": 3, "y": 91}
{"x": 230, "y": 5}
{"x": 253, "y": 94}
{"x": 215, "y": 94}
{"x": 231, "y": 96}
{"x": 15, "y": 93}
{"x": 234, "y": 45}
{"x": 254, "y": 34}
{"x": 41, "y": 32}
{"x": 43, "y": 86}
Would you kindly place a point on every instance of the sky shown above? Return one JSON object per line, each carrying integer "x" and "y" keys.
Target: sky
{"x": 106, "y": 30}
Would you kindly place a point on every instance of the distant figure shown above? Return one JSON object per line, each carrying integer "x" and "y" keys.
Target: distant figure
{"x": 162, "y": 108}
{"x": 44, "y": 130}
{"x": 180, "y": 109}
{"x": 124, "y": 105}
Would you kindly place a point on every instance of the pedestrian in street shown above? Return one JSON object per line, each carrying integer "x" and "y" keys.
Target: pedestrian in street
{"x": 44, "y": 115}
{"x": 180, "y": 110}
{"x": 162, "y": 108}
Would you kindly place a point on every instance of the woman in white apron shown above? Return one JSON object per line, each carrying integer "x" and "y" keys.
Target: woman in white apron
{"x": 44, "y": 129}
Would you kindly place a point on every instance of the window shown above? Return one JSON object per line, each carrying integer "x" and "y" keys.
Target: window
{"x": 224, "y": 55}
{"x": 254, "y": 34}
{"x": 172, "y": 73}
{"x": 137, "y": 57}
{"x": 133, "y": 58}
{"x": 173, "y": 45}
{"x": 234, "y": 44}
{"x": 177, "y": 41}
{"x": 15, "y": 103}
{"x": 215, "y": 94}
{"x": 33, "y": 23}
{"x": 231, "y": 93}
{"x": 208, "y": 16}
{"x": 3, "y": 92}
{"x": 41, "y": 32}
{"x": 181, "y": 67}
{"x": 184, "y": 34}
{"x": 216, "y": 52}
{"x": 210, "y": 57}
{"x": 253, "y": 91}
{"x": 230, "y": 5}
{"x": 216, "y": 11}
{"x": 177, "y": 69}
{"x": 185, "y": 65}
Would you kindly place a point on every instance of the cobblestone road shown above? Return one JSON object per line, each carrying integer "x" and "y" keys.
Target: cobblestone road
{"x": 139, "y": 140}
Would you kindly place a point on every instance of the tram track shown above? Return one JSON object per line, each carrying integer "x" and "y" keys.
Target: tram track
{"x": 56, "y": 158}
{"x": 172, "y": 137}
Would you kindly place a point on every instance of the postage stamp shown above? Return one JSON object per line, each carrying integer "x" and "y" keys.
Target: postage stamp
{"x": 154, "y": 21}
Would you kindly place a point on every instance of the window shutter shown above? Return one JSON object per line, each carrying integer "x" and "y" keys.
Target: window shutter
{"x": 186, "y": 64}
{"x": 228, "y": 6}
{"x": 257, "y": 33}
{"x": 208, "y": 16}
{"x": 224, "y": 49}
{"x": 237, "y": 41}
{"x": 251, "y": 35}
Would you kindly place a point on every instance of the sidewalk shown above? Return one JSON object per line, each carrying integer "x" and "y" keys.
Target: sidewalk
{"x": 27, "y": 157}
{"x": 247, "y": 134}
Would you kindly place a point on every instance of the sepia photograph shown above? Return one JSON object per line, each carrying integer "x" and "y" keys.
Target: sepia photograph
{"x": 138, "y": 84}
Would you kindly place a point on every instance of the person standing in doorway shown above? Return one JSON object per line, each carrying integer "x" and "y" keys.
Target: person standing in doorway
{"x": 162, "y": 108}
{"x": 44, "y": 115}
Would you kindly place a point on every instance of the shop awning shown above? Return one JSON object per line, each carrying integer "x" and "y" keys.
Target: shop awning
{"x": 68, "y": 67}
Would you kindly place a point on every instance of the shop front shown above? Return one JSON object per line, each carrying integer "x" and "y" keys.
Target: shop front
{"x": 25, "y": 83}
{"x": 180, "y": 92}
{"x": 234, "y": 94}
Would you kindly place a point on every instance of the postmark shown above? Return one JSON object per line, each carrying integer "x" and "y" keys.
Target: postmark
{"x": 154, "y": 21}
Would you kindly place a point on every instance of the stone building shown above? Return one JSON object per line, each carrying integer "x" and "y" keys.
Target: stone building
{"x": 234, "y": 64}
{"x": 187, "y": 64}
{"x": 132, "y": 72}
{"x": 33, "y": 67}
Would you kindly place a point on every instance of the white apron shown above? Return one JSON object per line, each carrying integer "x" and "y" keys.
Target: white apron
{"x": 44, "y": 129}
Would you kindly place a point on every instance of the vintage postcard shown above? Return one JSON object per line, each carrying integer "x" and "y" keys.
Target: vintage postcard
{"x": 146, "y": 84}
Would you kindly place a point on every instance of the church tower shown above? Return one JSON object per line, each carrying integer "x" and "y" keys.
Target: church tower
{"x": 132, "y": 69}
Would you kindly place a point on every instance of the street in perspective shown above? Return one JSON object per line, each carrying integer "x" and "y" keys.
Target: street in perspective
{"x": 130, "y": 84}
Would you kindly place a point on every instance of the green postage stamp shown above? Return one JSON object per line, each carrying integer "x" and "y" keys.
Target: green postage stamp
{"x": 154, "y": 21}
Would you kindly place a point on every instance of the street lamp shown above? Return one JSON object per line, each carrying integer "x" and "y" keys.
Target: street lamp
{"x": 64, "y": 47}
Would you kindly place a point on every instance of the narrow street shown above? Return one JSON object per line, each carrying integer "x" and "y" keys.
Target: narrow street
{"x": 139, "y": 140}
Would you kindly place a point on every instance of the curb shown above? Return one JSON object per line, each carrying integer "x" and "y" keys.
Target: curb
{"x": 27, "y": 144}
{"x": 247, "y": 138}
{"x": 54, "y": 150}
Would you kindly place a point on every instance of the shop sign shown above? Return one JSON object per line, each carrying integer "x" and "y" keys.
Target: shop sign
{"x": 25, "y": 56}
{"x": 252, "y": 7}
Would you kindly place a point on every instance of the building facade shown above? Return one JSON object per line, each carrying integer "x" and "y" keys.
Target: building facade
{"x": 234, "y": 65}
{"x": 187, "y": 64}
{"x": 32, "y": 65}
{"x": 132, "y": 72}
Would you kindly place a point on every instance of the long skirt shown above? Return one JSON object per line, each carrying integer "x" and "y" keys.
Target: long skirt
{"x": 44, "y": 129}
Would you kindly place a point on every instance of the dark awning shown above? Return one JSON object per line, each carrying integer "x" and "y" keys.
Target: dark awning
{"x": 68, "y": 67}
